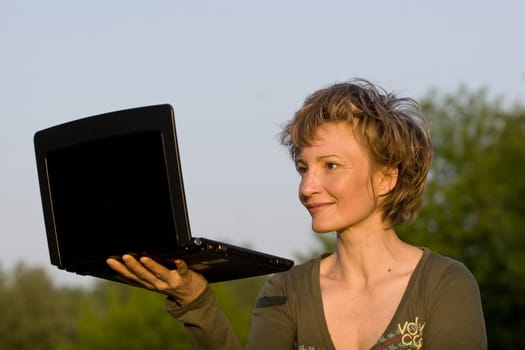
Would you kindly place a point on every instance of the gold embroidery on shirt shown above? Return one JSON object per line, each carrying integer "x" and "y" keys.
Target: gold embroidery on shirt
{"x": 412, "y": 333}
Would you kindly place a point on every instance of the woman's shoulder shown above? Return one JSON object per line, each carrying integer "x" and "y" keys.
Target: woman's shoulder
{"x": 441, "y": 264}
{"x": 445, "y": 299}
{"x": 294, "y": 289}
{"x": 439, "y": 270}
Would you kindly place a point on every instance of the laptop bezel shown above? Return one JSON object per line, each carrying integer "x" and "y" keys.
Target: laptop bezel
{"x": 158, "y": 118}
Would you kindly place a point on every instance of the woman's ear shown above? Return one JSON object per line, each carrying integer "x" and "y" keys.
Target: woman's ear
{"x": 387, "y": 180}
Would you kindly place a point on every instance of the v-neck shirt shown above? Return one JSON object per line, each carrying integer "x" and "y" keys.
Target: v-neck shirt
{"x": 440, "y": 309}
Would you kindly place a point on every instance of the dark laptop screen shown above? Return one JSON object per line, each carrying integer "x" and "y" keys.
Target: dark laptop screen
{"x": 111, "y": 197}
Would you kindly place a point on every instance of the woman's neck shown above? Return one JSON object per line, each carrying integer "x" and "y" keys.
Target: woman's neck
{"x": 365, "y": 255}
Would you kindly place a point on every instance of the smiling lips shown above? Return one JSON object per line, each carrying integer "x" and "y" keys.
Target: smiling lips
{"x": 316, "y": 207}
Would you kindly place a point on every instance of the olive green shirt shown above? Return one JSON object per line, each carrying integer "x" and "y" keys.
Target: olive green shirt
{"x": 440, "y": 309}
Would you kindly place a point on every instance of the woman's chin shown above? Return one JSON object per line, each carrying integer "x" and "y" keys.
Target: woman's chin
{"x": 322, "y": 230}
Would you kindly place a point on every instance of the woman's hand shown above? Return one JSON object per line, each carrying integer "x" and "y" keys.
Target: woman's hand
{"x": 182, "y": 284}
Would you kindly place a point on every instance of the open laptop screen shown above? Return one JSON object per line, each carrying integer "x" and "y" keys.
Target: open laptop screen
{"x": 111, "y": 197}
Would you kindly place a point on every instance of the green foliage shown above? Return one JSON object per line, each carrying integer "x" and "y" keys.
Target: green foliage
{"x": 474, "y": 208}
{"x": 38, "y": 315}
{"x": 35, "y": 315}
{"x": 116, "y": 316}
{"x": 326, "y": 244}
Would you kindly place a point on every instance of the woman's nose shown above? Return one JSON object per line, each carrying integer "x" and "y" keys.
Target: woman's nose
{"x": 309, "y": 185}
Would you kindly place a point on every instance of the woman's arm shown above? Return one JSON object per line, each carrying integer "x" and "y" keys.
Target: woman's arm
{"x": 191, "y": 301}
{"x": 204, "y": 322}
{"x": 273, "y": 324}
{"x": 208, "y": 328}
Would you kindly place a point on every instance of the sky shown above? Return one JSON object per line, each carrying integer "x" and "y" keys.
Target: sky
{"x": 234, "y": 71}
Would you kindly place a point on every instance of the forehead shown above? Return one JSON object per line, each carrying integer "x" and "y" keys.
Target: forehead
{"x": 335, "y": 138}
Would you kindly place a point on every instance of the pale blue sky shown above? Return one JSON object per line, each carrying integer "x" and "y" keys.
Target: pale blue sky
{"x": 234, "y": 72}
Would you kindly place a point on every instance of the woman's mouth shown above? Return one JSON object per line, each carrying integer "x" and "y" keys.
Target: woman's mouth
{"x": 314, "y": 208}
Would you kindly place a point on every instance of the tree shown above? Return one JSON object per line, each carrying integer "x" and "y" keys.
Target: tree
{"x": 116, "y": 316}
{"x": 38, "y": 315}
{"x": 474, "y": 209}
{"x": 35, "y": 314}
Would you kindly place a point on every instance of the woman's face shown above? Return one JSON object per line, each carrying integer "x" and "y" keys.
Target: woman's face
{"x": 335, "y": 183}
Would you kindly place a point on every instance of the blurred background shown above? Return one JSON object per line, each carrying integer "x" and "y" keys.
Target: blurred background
{"x": 235, "y": 72}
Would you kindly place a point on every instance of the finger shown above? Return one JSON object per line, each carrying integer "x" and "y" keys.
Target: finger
{"x": 119, "y": 267}
{"x": 137, "y": 268}
{"x": 132, "y": 271}
{"x": 126, "y": 274}
{"x": 182, "y": 267}
{"x": 158, "y": 270}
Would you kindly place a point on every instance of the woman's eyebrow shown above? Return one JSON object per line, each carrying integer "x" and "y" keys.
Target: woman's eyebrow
{"x": 324, "y": 156}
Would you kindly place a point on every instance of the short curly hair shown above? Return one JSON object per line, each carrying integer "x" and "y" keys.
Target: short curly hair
{"x": 393, "y": 131}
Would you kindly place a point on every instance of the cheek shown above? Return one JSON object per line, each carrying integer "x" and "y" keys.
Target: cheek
{"x": 355, "y": 188}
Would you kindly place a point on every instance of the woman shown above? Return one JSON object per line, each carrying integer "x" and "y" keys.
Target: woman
{"x": 363, "y": 156}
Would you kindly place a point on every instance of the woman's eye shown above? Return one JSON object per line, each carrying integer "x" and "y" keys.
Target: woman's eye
{"x": 300, "y": 169}
{"x": 331, "y": 166}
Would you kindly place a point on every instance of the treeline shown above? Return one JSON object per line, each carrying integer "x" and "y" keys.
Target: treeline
{"x": 36, "y": 314}
{"x": 474, "y": 208}
{"x": 474, "y": 211}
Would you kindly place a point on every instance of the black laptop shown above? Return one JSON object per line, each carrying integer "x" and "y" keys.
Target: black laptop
{"x": 112, "y": 184}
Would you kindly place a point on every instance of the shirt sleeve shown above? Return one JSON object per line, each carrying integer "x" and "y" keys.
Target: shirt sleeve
{"x": 456, "y": 318}
{"x": 207, "y": 327}
{"x": 205, "y": 324}
{"x": 273, "y": 326}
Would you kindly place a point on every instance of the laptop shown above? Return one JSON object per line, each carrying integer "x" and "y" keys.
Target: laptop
{"x": 112, "y": 184}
